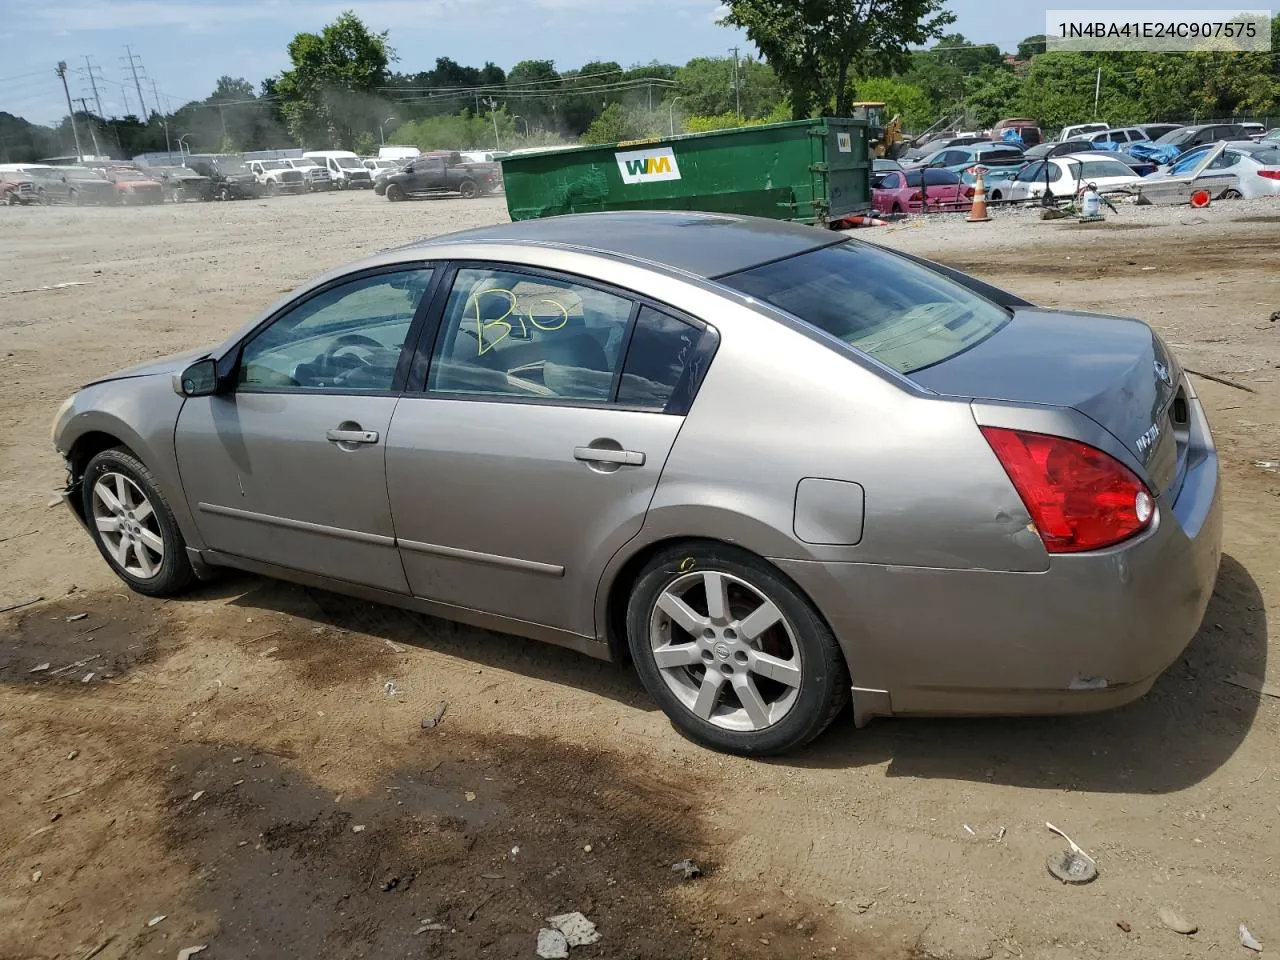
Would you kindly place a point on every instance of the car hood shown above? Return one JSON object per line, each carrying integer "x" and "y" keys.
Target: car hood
{"x": 1116, "y": 372}
{"x": 175, "y": 363}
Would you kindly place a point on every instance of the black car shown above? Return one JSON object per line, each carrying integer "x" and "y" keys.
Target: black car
{"x": 1053, "y": 148}
{"x": 881, "y": 168}
{"x": 435, "y": 173}
{"x": 1184, "y": 138}
{"x": 1155, "y": 131}
{"x": 229, "y": 177}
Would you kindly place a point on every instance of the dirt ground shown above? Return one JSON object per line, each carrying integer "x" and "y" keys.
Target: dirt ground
{"x": 250, "y": 763}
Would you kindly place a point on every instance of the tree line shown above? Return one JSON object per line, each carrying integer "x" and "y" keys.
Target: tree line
{"x": 818, "y": 57}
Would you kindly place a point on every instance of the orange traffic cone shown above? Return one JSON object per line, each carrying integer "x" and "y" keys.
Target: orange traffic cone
{"x": 978, "y": 212}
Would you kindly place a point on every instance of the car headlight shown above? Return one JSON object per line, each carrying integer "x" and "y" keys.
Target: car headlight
{"x": 57, "y": 418}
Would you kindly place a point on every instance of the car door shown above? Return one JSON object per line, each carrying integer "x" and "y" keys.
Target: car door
{"x": 431, "y": 173}
{"x": 288, "y": 466}
{"x": 532, "y": 449}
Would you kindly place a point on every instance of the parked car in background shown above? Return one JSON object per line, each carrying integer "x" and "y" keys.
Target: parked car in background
{"x": 50, "y": 185}
{"x": 17, "y": 188}
{"x": 987, "y": 153}
{"x": 230, "y": 177}
{"x": 347, "y": 170}
{"x": 1056, "y": 148}
{"x": 1064, "y": 176}
{"x": 916, "y": 154}
{"x": 134, "y": 186}
{"x": 881, "y": 167}
{"x": 1155, "y": 131}
{"x": 1252, "y": 129}
{"x": 278, "y": 176}
{"x": 1141, "y": 168}
{"x": 443, "y": 172}
{"x": 1241, "y": 168}
{"x": 921, "y": 190}
{"x": 1184, "y": 138}
{"x": 638, "y": 464}
{"x": 397, "y": 153}
{"x": 1080, "y": 131}
{"x": 1270, "y": 135}
{"x": 376, "y": 166}
{"x": 484, "y": 156}
{"x": 1118, "y": 135}
{"x": 317, "y": 175}
{"x": 1028, "y": 131}
{"x": 182, "y": 183}
{"x": 87, "y": 186}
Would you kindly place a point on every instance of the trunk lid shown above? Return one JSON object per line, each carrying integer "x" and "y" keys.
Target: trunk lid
{"x": 1116, "y": 372}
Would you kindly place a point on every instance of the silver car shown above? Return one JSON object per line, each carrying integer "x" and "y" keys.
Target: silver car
{"x": 776, "y": 468}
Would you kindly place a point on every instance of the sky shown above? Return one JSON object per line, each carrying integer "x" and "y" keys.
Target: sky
{"x": 185, "y": 45}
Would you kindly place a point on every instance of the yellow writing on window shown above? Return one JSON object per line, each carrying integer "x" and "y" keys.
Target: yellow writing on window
{"x": 489, "y": 333}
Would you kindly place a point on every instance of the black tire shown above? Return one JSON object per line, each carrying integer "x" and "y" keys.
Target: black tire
{"x": 468, "y": 189}
{"x": 224, "y": 194}
{"x": 1231, "y": 195}
{"x": 395, "y": 192}
{"x": 823, "y": 689}
{"x": 174, "y": 574}
{"x": 997, "y": 195}
{"x": 42, "y": 198}
{"x": 897, "y": 209}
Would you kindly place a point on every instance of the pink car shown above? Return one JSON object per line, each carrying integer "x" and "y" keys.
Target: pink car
{"x": 901, "y": 192}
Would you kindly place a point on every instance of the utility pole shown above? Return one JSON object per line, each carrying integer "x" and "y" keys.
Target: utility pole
{"x": 163, "y": 119}
{"x": 92, "y": 133}
{"x": 1097, "y": 91}
{"x": 493, "y": 107}
{"x": 62, "y": 75}
{"x": 737, "y": 85}
{"x": 93, "y": 82}
{"x": 133, "y": 67}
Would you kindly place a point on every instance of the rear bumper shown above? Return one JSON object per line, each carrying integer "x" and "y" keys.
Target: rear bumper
{"x": 1092, "y": 632}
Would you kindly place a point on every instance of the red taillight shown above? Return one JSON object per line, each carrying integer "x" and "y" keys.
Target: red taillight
{"x": 968, "y": 192}
{"x": 1270, "y": 174}
{"x": 1079, "y": 498}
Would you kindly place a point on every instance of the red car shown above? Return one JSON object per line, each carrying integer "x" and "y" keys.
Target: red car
{"x": 17, "y": 188}
{"x": 134, "y": 186}
{"x": 903, "y": 193}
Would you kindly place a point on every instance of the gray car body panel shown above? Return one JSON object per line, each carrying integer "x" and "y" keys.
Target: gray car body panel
{"x": 946, "y": 600}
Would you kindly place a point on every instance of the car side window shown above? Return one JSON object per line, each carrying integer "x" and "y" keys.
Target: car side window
{"x": 659, "y": 350}
{"x": 891, "y": 182}
{"x": 517, "y": 335}
{"x": 1032, "y": 172}
{"x": 434, "y": 165}
{"x": 345, "y": 339}
{"x": 1099, "y": 169}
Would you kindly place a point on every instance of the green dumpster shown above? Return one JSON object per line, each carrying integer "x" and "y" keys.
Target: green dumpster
{"x": 812, "y": 171}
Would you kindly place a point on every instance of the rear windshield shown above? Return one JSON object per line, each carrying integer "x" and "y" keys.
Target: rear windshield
{"x": 903, "y": 314}
{"x": 933, "y": 177}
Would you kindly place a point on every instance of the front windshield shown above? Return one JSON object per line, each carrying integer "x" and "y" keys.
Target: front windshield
{"x": 349, "y": 163}
{"x": 904, "y": 315}
{"x": 230, "y": 166}
{"x": 1175, "y": 137}
{"x": 274, "y": 165}
{"x": 303, "y": 164}
{"x": 129, "y": 175}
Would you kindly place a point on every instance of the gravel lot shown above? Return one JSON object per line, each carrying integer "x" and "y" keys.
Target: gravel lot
{"x": 216, "y": 767}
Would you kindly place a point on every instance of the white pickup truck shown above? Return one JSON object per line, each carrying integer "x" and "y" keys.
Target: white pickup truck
{"x": 278, "y": 176}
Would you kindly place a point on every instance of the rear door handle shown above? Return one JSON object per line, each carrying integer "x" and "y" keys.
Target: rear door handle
{"x": 352, "y": 436}
{"x": 630, "y": 458}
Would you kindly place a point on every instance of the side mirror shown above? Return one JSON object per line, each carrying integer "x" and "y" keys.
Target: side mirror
{"x": 198, "y": 380}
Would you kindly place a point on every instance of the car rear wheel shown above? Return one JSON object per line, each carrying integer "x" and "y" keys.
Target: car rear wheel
{"x": 468, "y": 189}
{"x": 133, "y": 526}
{"x": 733, "y": 652}
{"x": 1232, "y": 195}
{"x": 395, "y": 192}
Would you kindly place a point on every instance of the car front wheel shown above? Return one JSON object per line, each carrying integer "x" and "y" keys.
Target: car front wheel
{"x": 395, "y": 193}
{"x": 133, "y": 526}
{"x": 468, "y": 189}
{"x": 733, "y": 652}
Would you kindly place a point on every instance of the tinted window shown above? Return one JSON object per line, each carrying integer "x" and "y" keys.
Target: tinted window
{"x": 1098, "y": 169}
{"x": 346, "y": 339}
{"x": 999, "y": 156}
{"x": 656, "y": 357}
{"x": 938, "y": 178}
{"x": 903, "y": 314}
{"x": 521, "y": 335}
{"x": 1034, "y": 171}
{"x": 892, "y": 182}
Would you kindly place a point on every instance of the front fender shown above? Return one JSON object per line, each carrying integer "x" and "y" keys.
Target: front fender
{"x": 140, "y": 413}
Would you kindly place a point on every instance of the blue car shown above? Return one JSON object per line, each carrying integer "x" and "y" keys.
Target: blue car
{"x": 959, "y": 159}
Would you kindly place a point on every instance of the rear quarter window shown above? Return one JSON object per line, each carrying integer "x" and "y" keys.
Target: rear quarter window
{"x": 901, "y": 313}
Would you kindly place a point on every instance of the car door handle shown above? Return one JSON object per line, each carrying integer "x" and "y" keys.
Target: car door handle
{"x": 630, "y": 458}
{"x": 352, "y": 436}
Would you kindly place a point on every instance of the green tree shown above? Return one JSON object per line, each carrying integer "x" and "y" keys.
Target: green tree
{"x": 532, "y": 89}
{"x": 955, "y": 51}
{"x": 816, "y": 46}
{"x": 331, "y": 94}
{"x": 609, "y": 127}
{"x": 1032, "y": 46}
{"x": 705, "y": 87}
{"x": 991, "y": 94}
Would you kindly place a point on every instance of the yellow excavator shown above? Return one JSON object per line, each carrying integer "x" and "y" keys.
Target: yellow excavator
{"x": 884, "y": 139}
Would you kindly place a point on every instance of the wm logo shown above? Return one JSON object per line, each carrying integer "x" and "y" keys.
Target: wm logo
{"x": 647, "y": 166}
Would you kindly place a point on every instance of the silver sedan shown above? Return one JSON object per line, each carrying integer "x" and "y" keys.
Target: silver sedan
{"x": 777, "y": 469}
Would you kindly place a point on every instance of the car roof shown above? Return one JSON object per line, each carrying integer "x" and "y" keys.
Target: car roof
{"x": 704, "y": 244}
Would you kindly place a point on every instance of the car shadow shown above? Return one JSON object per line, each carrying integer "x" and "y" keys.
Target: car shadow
{"x": 1185, "y": 728}
{"x": 531, "y": 658}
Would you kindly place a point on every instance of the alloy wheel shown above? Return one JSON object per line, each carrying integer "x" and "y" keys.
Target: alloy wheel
{"x": 127, "y": 523}
{"x": 725, "y": 650}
